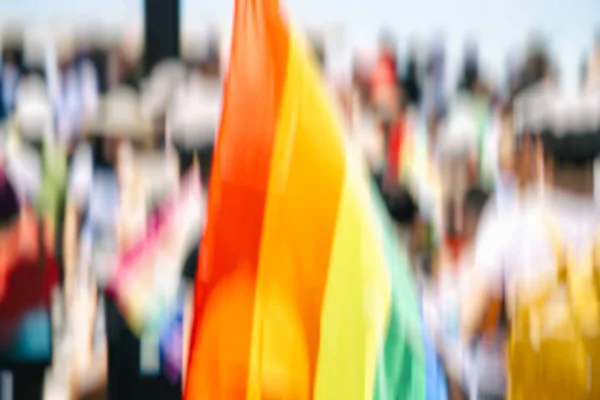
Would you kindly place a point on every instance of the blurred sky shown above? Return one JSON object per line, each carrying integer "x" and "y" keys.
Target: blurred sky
{"x": 499, "y": 26}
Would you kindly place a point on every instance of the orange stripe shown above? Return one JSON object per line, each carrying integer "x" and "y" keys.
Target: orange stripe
{"x": 219, "y": 353}
{"x": 302, "y": 208}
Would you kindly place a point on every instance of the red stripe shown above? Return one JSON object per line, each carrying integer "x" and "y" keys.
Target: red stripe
{"x": 237, "y": 194}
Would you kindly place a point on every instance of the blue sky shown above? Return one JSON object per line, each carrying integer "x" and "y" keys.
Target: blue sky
{"x": 500, "y": 26}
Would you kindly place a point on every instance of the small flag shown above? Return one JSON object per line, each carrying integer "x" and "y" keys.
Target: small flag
{"x": 148, "y": 272}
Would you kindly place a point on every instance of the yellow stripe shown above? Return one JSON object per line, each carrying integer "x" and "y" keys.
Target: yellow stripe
{"x": 357, "y": 300}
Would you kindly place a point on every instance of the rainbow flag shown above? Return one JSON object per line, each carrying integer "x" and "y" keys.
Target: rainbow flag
{"x": 301, "y": 291}
{"x": 148, "y": 270}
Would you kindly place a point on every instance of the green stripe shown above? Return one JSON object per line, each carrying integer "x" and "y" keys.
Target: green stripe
{"x": 401, "y": 363}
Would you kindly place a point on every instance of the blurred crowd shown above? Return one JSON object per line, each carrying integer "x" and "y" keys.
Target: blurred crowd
{"x": 491, "y": 189}
{"x": 80, "y": 118}
{"x": 464, "y": 174}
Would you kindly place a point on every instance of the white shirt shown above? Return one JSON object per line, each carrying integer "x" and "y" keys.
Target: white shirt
{"x": 196, "y": 110}
{"x": 514, "y": 245}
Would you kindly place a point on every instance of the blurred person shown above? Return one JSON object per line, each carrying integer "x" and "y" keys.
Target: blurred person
{"x": 159, "y": 91}
{"x": 362, "y": 72}
{"x": 97, "y": 42}
{"x": 472, "y": 83}
{"x": 362, "y": 66}
{"x": 388, "y": 51}
{"x": 92, "y": 239}
{"x": 450, "y": 286}
{"x": 395, "y": 128}
{"x": 385, "y": 77}
{"x": 411, "y": 81}
{"x": 206, "y": 55}
{"x": 404, "y": 209}
{"x": 421, "y": 175}
{"x": 343, "y": 99}
{"x": 394, "y": 122}
{"x": 537, "y": 64}
{"x": 522, "y": 260}
{"x": 364, "y": 126}
{"x": 474, "y": 203}
{"x": 483, "y": 364}
{"x": 526, "y": 124}
{"x": 124, "y": 63}
{"x": 335, "y": 81}
{"x": 35, "y": 58}
{"x": 452, "y": 203}
{"x": 482, "y": 370}
{"x": 12, "y": 68}
{"x": 73, "y": 90}
{"x": 434, "y": 90}
{"x": 320, "y": 52}
{"x": 385, "y": 93}
{"x": 25, "y": 297}
{"x": 457, "y": 145}
{"x": 505, "y": 186}
{"x": 469, "y": 80}
{"x": 365, "y": 131}
{"x": 30, "y": 139}
{"x": 413, "y": 219}
{"x": 592, "y": 67}
{"x": 455, "y": 150}
{"x": 167, "y": 82}
{"x": 388, "y": 104}
{"x": 384, "y": 82}
{"x": 488, "y": 124}
{"x": 88, "y": 77}
{"x": 44, "y": 177}
{"x": 43, "y": 173}
{"x": 514, "y": 76}
{"x": 518, "y": 177}
{"x": 29, "y": 267}
{"x": 477, "y": 102}
{"x": 520, "y": 165}
{"x": 88, "y": 230}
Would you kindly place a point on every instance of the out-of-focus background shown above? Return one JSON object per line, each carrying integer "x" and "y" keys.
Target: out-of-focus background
{"x": 499, "y": 27}
{"x": 61, "y": 121}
